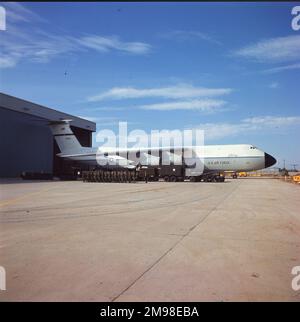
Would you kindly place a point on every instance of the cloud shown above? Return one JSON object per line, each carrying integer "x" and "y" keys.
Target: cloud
{"x": 6, "y": 62}
{"x": 19, "y": 43}
{"x": 274, "y": 85}
{"x": 16, "y": 12}
{"x": 105, "y": 44}
{"x": 215, "y": 131}
{"x": 190, "y": 93}
{"x": 274, "y": 50}
{"x": 281, "y": 68}
{"x": 273, "y": 121}
{"x": 106, "y": 108}
{"x": 107, "y": 121}
{"x": 204, "y": 105}
{"x": 173, "y": 92}
{"x": 188, "y": 35}
{"x": 40, "y": 47}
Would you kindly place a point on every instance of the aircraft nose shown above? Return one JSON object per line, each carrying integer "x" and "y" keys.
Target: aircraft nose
{"x": 269, "y": 160}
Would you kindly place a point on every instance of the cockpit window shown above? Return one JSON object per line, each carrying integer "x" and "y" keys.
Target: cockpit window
{"x": 253, "y": 147}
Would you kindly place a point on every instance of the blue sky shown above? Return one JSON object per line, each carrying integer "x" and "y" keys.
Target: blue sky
{"x": 228, "y": 68}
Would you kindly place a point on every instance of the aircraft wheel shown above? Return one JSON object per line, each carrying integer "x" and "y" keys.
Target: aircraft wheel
{"x": 166, "y": 178}
{"x": 105, "y": 177}
{"x": 173, "y": 179}
{"x": 134, "y": 177}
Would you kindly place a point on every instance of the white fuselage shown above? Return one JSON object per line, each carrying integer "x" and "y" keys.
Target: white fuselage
{"x": 241, "y": 157}
{"x": 237, "y": 157}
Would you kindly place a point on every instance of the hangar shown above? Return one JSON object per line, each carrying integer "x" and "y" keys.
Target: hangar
{"x": 26, "y": 141}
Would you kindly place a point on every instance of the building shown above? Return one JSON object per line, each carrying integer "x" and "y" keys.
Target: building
{"x": 27, "y": 143}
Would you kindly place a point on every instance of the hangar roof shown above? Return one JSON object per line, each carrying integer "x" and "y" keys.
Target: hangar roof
{"x": 46, "y": 113}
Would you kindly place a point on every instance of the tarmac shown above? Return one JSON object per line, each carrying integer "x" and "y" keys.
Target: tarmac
{"x": 76, "y": 241}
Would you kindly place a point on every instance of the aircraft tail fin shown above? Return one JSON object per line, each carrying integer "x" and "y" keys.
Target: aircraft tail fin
{"x": 64, "y": 137}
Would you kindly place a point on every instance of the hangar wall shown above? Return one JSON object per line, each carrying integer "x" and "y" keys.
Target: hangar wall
{"x": 25, "y": 144}
{"x": 26, "y": 141}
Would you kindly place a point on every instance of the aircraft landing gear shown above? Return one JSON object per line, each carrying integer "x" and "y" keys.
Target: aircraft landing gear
{"x": 208, "y": 178}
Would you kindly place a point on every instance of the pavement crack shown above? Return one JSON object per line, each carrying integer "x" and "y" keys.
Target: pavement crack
{"x": 174, "y": 245}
